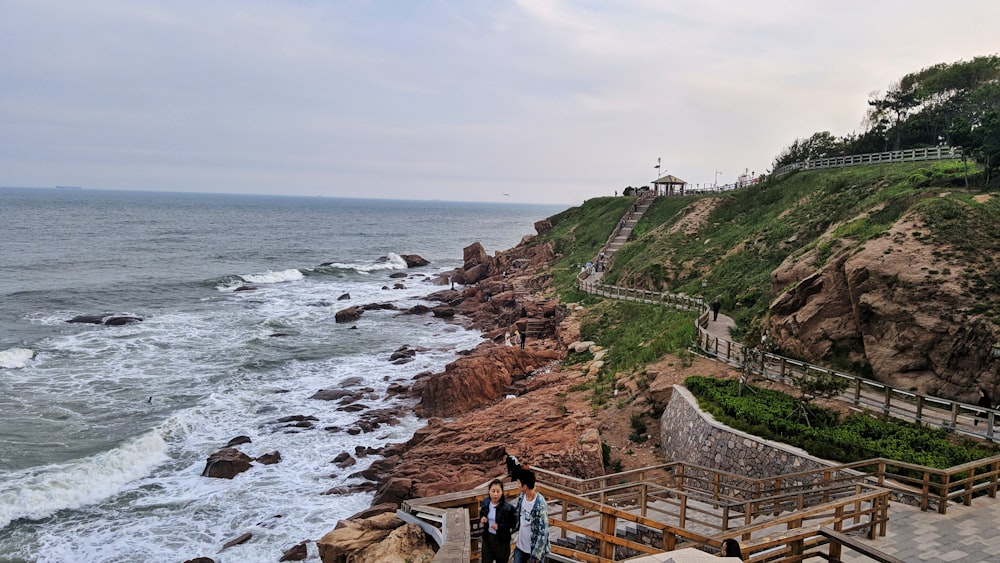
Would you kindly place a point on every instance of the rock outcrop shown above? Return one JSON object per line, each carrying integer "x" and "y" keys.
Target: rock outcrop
{"x": 893, "y": 307}
{"x": 477, "y": 380}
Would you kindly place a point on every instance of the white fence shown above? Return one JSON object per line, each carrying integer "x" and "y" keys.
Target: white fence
{"x": 909, "y": 155}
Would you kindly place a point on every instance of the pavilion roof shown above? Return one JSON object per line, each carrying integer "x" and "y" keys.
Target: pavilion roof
{"x": 670, "y": 179}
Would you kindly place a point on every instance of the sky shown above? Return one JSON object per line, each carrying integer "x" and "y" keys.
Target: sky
{"x": 537, "y": 101}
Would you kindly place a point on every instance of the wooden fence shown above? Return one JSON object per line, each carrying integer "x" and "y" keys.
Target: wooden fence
{"x": 909, "y": 155}
{"x": 614, "y": 517}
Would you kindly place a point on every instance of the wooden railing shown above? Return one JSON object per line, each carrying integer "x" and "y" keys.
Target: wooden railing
{"x": 865, "y": 394}
{"x": 698, "y": 513}
{"x": 952, "y": 416}
{"x": 909, "y": 155}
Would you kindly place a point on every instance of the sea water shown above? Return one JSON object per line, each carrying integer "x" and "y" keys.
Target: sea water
{"x": 105, "y": 430}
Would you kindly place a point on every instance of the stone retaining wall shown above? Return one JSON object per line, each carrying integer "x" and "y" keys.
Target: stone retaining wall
{"x": 694, "y": 437}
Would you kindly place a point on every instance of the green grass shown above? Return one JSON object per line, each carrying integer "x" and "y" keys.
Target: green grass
{"x": 577, "y": 235}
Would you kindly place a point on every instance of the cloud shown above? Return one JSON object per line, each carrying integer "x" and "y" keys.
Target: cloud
{"x": 548, "y": 100}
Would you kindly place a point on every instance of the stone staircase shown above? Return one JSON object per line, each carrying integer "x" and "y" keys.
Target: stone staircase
{"x": 622, "y": 233}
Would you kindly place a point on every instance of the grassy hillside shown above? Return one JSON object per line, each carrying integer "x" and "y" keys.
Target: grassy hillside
{"x": 741, "y": 237}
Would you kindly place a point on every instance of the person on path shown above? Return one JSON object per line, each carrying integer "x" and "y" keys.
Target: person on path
{"x": 517, "y": 338}
{"x": 716, "y": 307}
{"x": 498, "y": 517}
{"x": 985, "y": 402}
{"x": 532, "y": 525}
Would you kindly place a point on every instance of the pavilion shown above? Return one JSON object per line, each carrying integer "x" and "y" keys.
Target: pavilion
{"x": 670, "y": 183}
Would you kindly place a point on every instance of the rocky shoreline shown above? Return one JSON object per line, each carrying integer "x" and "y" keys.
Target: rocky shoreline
{"x": 493, "y": 399}
{"x": 496, "y": 398}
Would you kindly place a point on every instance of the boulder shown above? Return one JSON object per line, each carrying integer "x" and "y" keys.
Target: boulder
{"x": 443, "y": 311}
{"x": 414, "y": 260}
{"x": 394, "y": 491}
{"x": 238, "y": 440}
{"x": 344, "y": 297}
{"x": 352, "y": 536}
{"x": 295, "y": 553}
{"x": 269, "y": 459}
{"x": 330, "y": 394}
{"x": 108, "y": 319}
{"x": 226, "y": 464}
{"x": 405, "y": 544}
{"x": 398, "y": 275}
{"x": 348, "y": 315}
{"x": 243, "y": 538}
{"x": 201, "y": 560}
{"x": 474, "y": 274}
{"x": 474, "y": 255}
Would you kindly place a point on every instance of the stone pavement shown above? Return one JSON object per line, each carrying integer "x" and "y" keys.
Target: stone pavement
{"x": 967, "y": 534}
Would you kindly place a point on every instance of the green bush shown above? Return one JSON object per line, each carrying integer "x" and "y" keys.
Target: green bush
{"x": 773, "y": 415}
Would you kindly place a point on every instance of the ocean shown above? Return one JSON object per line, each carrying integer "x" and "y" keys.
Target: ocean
{"x": 105, "y": 430}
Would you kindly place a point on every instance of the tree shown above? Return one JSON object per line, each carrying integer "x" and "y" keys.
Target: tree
{"x": 817, "y": 385}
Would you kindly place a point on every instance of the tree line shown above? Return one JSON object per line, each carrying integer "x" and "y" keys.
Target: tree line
{"x": 955, "y": 104}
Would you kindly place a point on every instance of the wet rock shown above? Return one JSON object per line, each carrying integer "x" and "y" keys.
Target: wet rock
{"x": 344, "y": 297}
{"x": 108, "y": 319}
{"x": 443, "y": 311}
{"x": 414, "y": 260}
{"x": 398, "y": 275}
{"x": 348, "y": 315}
{"x": 419, "y": 310}
{"x": 296, "y": 418}
{"x": 269, "y": 459}
{"x": 366, "y": 487}
{"x": 330, "y": 394}
{"x": 238, "y": 440}
{"x": 245, "y": 288}
{"x": 238, "y": 540}
{"x": 201, "y": 560}
{"x": 295, "y": 553}
{"x": 399, "y": 286}
{"x": 226, "y": 464}
{"x": 344, "y": 460}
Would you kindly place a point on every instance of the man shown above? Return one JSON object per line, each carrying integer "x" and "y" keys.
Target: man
{"x": 532, "y": 525}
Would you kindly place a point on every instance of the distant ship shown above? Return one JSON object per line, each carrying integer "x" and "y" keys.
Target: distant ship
{"x": 69, "y": 188}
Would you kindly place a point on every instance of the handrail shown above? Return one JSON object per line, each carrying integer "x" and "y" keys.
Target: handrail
{"x": 864, "y": 509}
{"x": 906, "y": 155}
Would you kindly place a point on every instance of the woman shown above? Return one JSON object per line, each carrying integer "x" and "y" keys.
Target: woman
{"x": 497, "y": 515}
{"x": 731, "y": 548}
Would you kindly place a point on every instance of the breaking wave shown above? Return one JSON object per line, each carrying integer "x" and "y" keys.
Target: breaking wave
{"x": 15, "y": 358}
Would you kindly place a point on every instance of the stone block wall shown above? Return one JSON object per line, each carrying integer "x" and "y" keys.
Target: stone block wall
{"x": 694, "y": 437}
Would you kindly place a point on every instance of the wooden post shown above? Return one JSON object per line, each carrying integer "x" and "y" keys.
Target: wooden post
{"x": 607, "y": 549}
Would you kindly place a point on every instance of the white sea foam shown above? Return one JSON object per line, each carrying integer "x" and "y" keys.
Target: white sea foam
{"x": 15, "y": 358}
{"x": 40, "y": 492}
{"x": 391, "y": 262}
{"x": 290, "y": 274}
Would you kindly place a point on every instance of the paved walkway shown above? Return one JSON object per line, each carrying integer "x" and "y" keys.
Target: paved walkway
{"x": 967, "y": 534}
